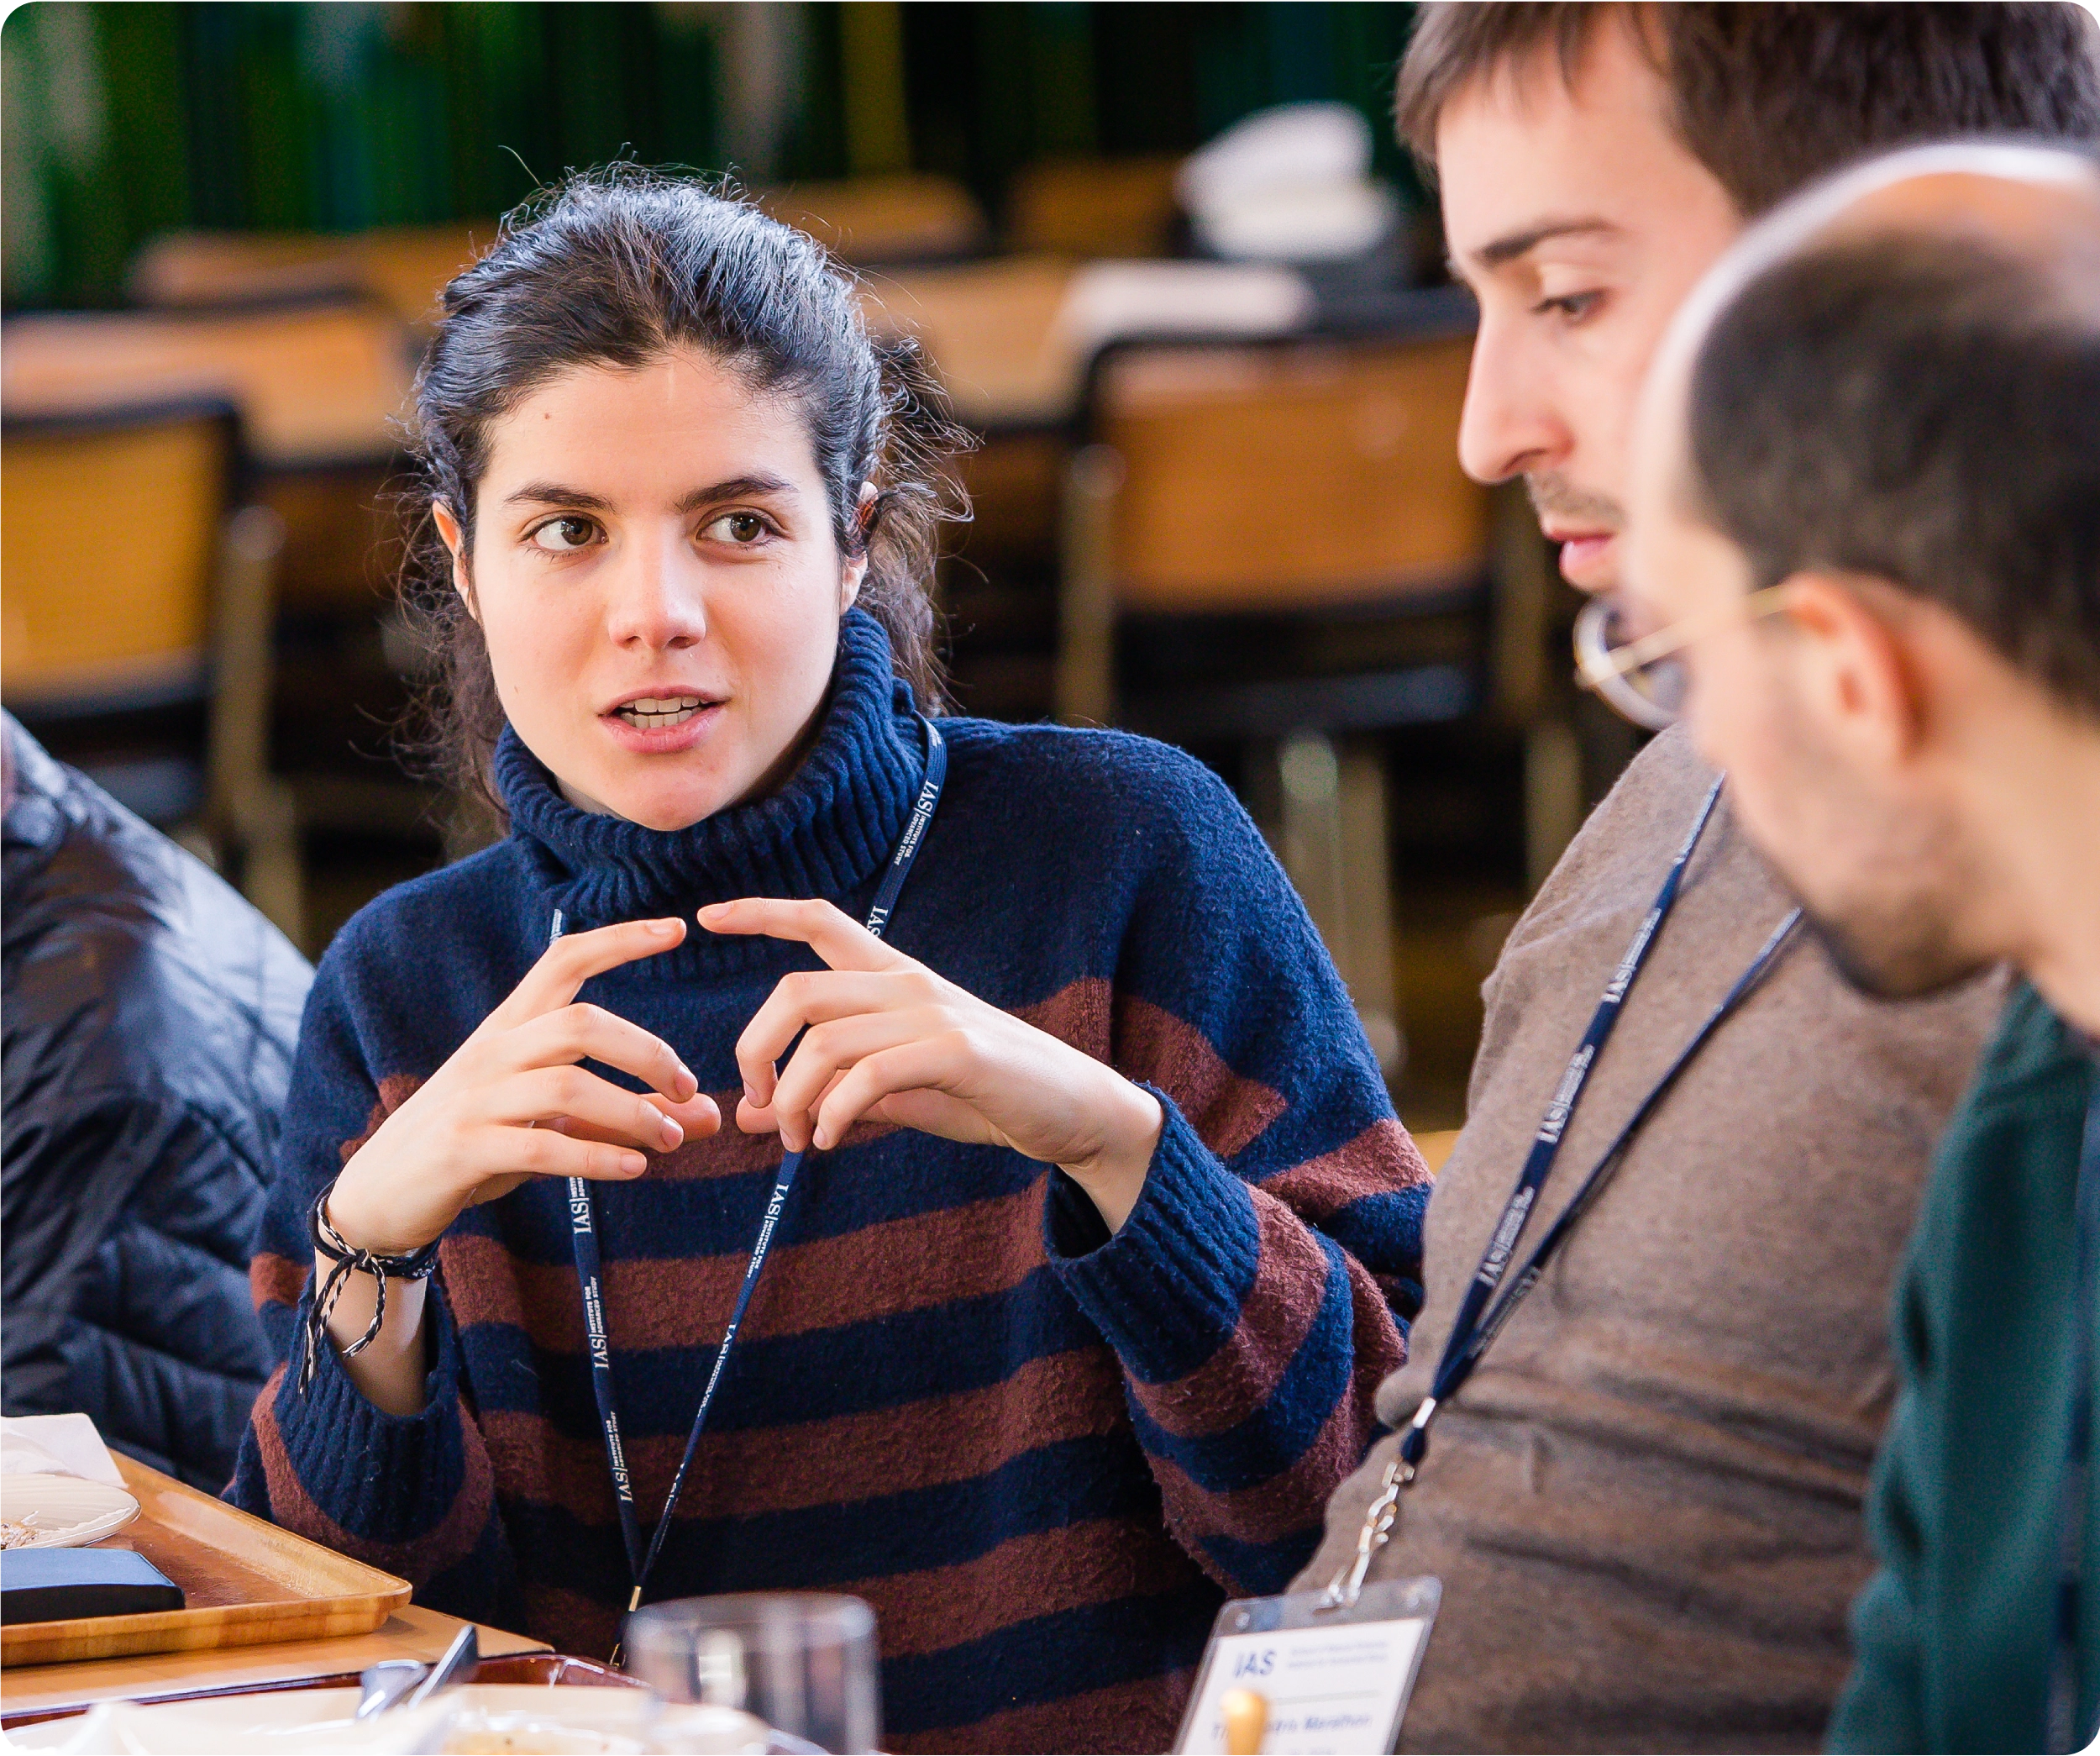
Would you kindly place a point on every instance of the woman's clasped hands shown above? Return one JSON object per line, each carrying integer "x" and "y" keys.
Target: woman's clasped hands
{"x": 885, "y": 1039}
{"x": 881, "y": 1038}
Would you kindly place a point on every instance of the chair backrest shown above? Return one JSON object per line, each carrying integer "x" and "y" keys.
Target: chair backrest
{"x": 109, "y": 535}
{"x": 905, "y": 218}
{"x": 314, "y": 382}
{"x": 1094, "y": 207}
{"x": 992, "y": 330}
{"x": 1293, "y": 476}
{"x": 404, "y": 266}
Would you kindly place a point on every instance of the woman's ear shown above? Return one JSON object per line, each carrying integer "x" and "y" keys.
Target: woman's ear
{"x": 856, "y": 570}
{"x": 455, "y": 540}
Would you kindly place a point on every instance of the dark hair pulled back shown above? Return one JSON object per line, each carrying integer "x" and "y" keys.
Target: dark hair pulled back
{"x": 614, "y": 267}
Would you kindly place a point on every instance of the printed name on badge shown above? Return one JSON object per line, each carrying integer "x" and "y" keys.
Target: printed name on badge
{"x": 1334, "y": 1679}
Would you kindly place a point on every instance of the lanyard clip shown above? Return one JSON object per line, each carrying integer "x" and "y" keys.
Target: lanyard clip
{"x": 1379, "y": 1516}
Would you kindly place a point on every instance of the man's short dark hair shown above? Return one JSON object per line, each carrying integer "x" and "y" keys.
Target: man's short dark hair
{"x": 1925, "y": 410}
{"x": 1770, "y": 97}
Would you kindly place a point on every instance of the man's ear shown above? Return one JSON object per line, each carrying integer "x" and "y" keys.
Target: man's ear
{"x": 1857, "y": 670}
{"x": 855, "y": 571}
{"x": 455, "y": 540}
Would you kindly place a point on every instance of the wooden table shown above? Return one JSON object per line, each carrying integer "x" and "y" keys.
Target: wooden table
{"x": 1013, "y": 336}
{"x": 39, "y": 1691}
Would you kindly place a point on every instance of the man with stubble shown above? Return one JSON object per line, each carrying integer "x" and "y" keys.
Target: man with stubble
{"x": 1645, "y": 1503}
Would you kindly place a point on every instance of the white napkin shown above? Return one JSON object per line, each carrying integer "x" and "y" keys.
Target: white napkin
{"x": 1291, "y": 145}
{"x": 125, "y": 1729}
{"x": 1290, "y": 184}
{"x": 467, "y": 1719}
{"x": 1110, "y": 299}
{"x": 55, "y": 1445}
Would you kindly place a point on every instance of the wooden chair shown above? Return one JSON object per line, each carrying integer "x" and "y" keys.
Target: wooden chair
{"x": 403, "y": 267}
{"x": 1094, "y": 207}
{"x": 1302, "y": 500}
{"x": 911, "y": 218}
{"x": 135, "y": 579}
{"x": 319, "y": 384}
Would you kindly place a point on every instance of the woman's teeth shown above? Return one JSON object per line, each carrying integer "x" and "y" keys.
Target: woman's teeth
{"x": 653, "y": 712}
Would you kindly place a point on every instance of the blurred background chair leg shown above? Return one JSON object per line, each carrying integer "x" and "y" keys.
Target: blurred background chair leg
{"x": 1332, "y": 837}
{"x": 1086, "y": 592}
{"x": 1368, "y": 890}
{"x": 1553, "y": 800}
{"x": 1522, "y": 663}
{"x": 251, "y": 813}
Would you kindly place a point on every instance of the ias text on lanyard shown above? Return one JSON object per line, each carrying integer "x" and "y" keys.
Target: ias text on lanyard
{"x": 1482, "y": 1314}
{"x": 583, "y": 1232}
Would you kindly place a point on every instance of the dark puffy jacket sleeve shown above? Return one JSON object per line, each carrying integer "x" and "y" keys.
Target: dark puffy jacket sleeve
{"x": 1257, "y": 1293}
{"x": 145, "y": 1044}
{"x": 126, "y": 1295}
{"x": 413, "y": 1496}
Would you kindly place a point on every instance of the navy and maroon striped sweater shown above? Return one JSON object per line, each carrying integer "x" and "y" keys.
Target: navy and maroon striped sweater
{"x": 1043, "y": 1453}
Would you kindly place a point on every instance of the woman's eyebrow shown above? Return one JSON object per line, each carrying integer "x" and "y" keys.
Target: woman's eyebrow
{"x": 737, "y": 487}
{"x": 553, "y": 493}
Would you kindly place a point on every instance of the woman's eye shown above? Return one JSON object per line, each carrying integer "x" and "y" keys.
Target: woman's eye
{"x": 562, "y": 535}
{"x": 739, "y": 529}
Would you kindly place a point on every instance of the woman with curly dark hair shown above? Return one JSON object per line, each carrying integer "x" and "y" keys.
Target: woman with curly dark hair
{"x": 1080, "y": 1227}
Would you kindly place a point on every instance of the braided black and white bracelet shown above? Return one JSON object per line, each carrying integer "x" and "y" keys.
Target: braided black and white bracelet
{"x": 349, "y": 1259}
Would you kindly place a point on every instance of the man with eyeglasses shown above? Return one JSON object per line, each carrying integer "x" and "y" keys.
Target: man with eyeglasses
{"x": 1866, "y": 504}
{"x": 1653, "y": 1365}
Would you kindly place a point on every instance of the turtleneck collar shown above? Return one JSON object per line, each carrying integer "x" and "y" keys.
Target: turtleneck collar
{"x": 827, "y": 832}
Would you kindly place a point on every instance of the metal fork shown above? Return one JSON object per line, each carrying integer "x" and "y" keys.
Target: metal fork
{"x": 405, "y": 1683}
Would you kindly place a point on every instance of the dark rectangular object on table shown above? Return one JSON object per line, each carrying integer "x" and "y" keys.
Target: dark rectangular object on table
{"x": 61, "y": 1584}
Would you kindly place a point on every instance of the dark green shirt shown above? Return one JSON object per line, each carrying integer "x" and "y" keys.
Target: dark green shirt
{"x": 1954, "y": 1636}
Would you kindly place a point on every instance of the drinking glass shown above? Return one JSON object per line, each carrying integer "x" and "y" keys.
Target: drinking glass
{"x": 803, "y": 1662}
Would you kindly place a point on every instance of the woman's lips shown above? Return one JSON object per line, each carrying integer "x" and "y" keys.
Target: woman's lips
{"x": 661, "y": 734}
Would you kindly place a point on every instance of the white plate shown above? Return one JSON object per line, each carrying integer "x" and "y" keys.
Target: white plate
{"x": 65, "y": 1510}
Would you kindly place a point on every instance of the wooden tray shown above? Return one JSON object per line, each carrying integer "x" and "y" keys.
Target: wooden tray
{"x": 246, "y": 1581}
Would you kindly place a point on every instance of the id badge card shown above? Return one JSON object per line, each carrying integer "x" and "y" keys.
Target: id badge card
{"x": 1329, "y": 1681}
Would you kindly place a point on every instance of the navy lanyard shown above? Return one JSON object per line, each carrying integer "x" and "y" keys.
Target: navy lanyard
{"x": 583, "y": 1234}
{"x": 2066, "y": 1676}
{"x": 1479, "y": 1322}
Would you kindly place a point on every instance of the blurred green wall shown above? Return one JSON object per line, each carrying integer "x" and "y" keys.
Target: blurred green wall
{"x": 123, "y": 119}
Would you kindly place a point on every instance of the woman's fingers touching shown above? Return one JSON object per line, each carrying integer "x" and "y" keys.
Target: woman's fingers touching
{"x": 698, "y": 1117}
{"x": 816, "y": 1000}
{"x": 592, "y": 1108}
{"x": 829, "y": 1050}
{"x": 922, "y": 1065}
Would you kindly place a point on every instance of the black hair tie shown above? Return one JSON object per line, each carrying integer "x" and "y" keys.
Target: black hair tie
{"x": 349, "y": 1259}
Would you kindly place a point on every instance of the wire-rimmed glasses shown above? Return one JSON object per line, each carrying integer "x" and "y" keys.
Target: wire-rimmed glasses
{"x": 1642, "y": 676}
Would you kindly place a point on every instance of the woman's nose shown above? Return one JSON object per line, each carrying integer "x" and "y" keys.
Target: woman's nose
{"x": 658, "y": 597}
